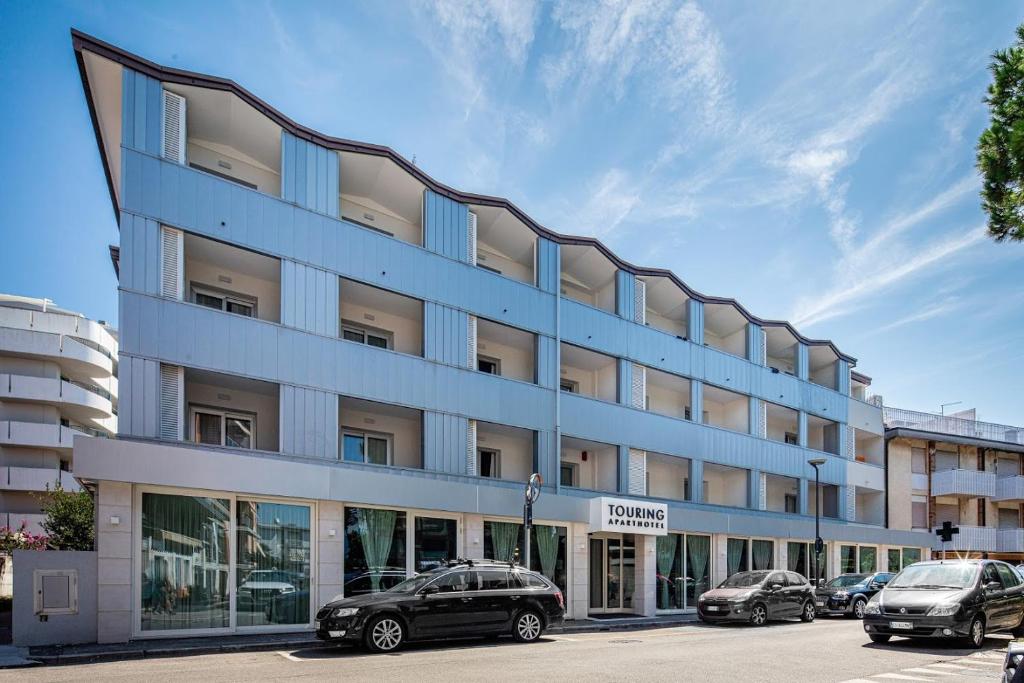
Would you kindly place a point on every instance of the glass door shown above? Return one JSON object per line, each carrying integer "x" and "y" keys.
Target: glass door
{"x": 612, "y": 573}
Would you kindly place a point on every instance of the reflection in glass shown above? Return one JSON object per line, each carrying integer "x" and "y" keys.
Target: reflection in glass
{"x": 435, "y": 543}
{"x": 273, "y": 567}
{"x": 503, "y": 541}
{"x": 184, "y": 580}
{"x": 868, "y": 559}
{"x": 238, "y": 432}
{"x": 670, "y": 579}
{"x": 698, "y": 567}
{"x": 736, "y": 555}
{"x": 847, "y": 559}
{"x": 375, "y": 550}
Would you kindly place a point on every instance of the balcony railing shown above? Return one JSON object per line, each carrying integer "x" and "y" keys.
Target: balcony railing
{"x": 1010, "y": 540}
{"x": 964, "y": 483}
{"x": 1010, "y": 488}
{"x": 955, "y": 426}
{"x": 971, "y": 538}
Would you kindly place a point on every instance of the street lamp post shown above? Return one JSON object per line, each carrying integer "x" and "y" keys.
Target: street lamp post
{"x": 816, "y": 463}
{"x": 532, "y": 493}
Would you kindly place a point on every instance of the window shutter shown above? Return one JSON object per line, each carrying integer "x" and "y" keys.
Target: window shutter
{"x": 174, "y": 128}
{"x": 172, "y": 396}
{"x": 762, "y": 419}
{"x": 471, "y": 342}
{"x": 471, "y": 239}
{"x": 637, "y": 472}
{"x": 639, "y": 387}
{"x": 472, "y": 466}
{"x": 762, "y": 492}
{"x": 639, "y": 301}
{"x": 172, "y": 263}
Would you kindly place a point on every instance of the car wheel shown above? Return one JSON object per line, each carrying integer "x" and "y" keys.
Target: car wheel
{"x": 878, "y": 638}
{"x": 758, "y": 615}
{"x": 858, "y": 608}
{"x": 527, "y": 627}
{"x": 384, "y": 634}
{"x": 808, "y": 612}
{"x": 976, "y": 633}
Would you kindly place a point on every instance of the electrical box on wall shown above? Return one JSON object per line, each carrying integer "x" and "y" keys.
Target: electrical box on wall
{"x": 55, "y": 591}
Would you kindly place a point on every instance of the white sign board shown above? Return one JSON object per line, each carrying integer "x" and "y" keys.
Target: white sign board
{"x": 628, "y": 516}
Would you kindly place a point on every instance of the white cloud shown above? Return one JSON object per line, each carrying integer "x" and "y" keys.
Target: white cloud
{"x": 934, "y": 310}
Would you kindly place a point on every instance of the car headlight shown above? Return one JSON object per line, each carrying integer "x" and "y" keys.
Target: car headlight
{"x": 874, "y": 606}
{"x": 947, "y": 609}
{"x": 742, "y": 598}
{"x": 345, "y": 611}
{"x": 841, "y": 594}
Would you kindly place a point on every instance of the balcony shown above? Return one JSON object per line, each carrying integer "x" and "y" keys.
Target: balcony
{"x": 1010, "y": 540}
{"x": 505, "y": 351}
{"x": 1010, "y": 489}
{"x": 504, "y": 452}
{"x": 379, "y": 195}
{"x": 964, "y": 483}
{"x": 377, "y": 317}
{"x": 725, "y": 329}
{"x": 589, "y": 373}
{"x": 380, "y": 434}
{"x": 588, "y": 277}
{"x": 589, "y": 465}
{"x": 666, "y": 306}
{"x": 35, "y": 479}
{"x": 977, "y": 538}
{"x": 954, "y": 426}
{"x": 668, "y": 476}
{"x": 504, "y": 244}
{"x": 76, "y": 400}
{"x": 226, "y": 410}
{"x": 38, "y": 435}
{"x": 231, "y": 279}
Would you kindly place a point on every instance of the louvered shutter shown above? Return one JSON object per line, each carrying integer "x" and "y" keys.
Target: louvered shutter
{"x": 172, "y": 396}
{"x": 637, "y": 472}
{"x": 172, "y": 263}
{"x": 173, "y": 147}
{"x": 762, "y": 491}
{"x": 471, "y": 239}
{"x": 471, "y": 342}
{"x": 472, "y": 466}
{"x": 640, "y": 301}
{"x": 638, "y": 391}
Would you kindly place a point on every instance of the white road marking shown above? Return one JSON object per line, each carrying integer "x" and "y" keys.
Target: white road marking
{"x": 930, "y": 672}
{"x": 901, "y": 677}
{"x": 290, "y": 656}
{"x": 947, "y": 665}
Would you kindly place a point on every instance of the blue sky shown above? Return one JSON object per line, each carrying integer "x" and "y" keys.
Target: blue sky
{"x": 817, "y": 166}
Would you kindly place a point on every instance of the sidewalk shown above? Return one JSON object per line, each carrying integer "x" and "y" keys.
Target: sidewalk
{"x": 183, "y": 647}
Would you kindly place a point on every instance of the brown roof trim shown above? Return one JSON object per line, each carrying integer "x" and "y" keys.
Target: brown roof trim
{"x": 923, "y": 435}
{"x": 115, "y": 259}
{"x": 859, "y": 377}
{"x": 82, "y": 41}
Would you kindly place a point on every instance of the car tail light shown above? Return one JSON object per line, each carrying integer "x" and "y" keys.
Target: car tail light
{"x": 561, "y": 600}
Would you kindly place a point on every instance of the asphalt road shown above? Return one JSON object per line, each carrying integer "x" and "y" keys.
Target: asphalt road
{"x": 828, "y": 650}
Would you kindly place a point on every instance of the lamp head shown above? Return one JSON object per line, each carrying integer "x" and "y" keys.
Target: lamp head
{"x": 816, "y": 462}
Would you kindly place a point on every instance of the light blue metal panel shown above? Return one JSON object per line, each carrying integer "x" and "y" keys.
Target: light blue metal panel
{"x": 445, "y": 334}
{"x": 546, "y": 457}
{"x": 309, "y": 298}
{"x": 754, "y": 488}
{"x": 754, "y": 336}
{"x": 593, "y": 328}
{"x": 697, "y": 401}
{"x": 697, "y": 481}
{"x": 727, "y": 371}
{"x": 625, "y": 288}
{"x": 547, "y": 362}
{"x": 309, "y": 422}
{"x": 139, "y": 386}
{"x": 548, "y": 265}
{"x": 623, "y": 465}
{"x": 445, "y": 224}
{"x": 777, "y": 387}
{"x": 444, "y": 442}
{"x": 754, "y": 414}
{"x": 656, "y": 349}
{"x": 824, "y": 402}
{"x": 625, "y": 381}
{"x": 803, "y": 495}
{"x": 141, "y": 111}
{"x": 801, "y": 429}
{"x": 140, "y": 254}
{"x": 802, "y": 361}
{"x": 695, "y": 321}
{"x": 843, "y": 377}
{"x": 309, "y": 175}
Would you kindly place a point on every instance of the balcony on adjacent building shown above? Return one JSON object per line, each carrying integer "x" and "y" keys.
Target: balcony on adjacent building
{"x": 35, "y": 479}
{"x": 588, "y": 276}
{"x": 668, "y": 476}
{"x": 667, "y": 306}
{"x": 963, "y": 483}
{"x": 504, "y": 452}
{"x": 668, "y": 394}
{"x": 971, "y": 538}
{"x": 379, "y": 433}
{"x": 782, "y": 494}
{"x": 231, "y": 411}
{"x": 380, "y": 318}
{"x": 505, "y": 351}
{"x": 589, "y": 465}
{"x": 1010, "y": 540}
{"x": 230, "y": 279}
{"x": 504, "y": 244}
{"x": 1009, "y": 489}
{"x": 589, "y": 373}
{"x": 725, "y": 329}
{"x": 726, "y": 409}
{"x": 961, "y": 424}
{"x": 376, "y": 193}
{"x": 725, "y": 485}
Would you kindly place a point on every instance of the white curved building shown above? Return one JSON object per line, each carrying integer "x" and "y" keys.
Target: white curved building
{"x": 58, "y": 380}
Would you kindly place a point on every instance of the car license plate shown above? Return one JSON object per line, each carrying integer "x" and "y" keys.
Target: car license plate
{"x": 821, "y": 603}
{"x": 905, "y": 625}
{"x": 318, "y": 626}
{"x": 711, "y": 608}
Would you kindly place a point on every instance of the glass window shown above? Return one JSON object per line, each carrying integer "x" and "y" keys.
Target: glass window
{"x": 763, "y": 554}
{"x": 209, "y": 301}
{"x": 353, "y": 445}
{"x": 376, "y": 450}
{"x": 503, "y": 542}
{"x": 847, "y": 559}
{"x": 487, "y": 365}
{"x": 911, "y": 555}
{"x": 353, "y": 335}
{"x": 567, "y": 474}
{"x": 671, "y": 578}
{"x": 435, "y": 540}
{"x": 868, "y": 559}
{"x": 184, "y": 561}
{"x": 493, "y": 579}
{"x": 366, "y": 448}
{"x": 490, "y": 464}
{"x": 273, "y": 567}
{"x": 207, "y": 429}
{"x": 894, "y": 559}
{"x": 377, "y": 340}
{"x": 364, "y": 336}
{"x": 794, "y": 579}
{"x": 990, "y": 573}
{"x": 736, "y": 555}
{"x": 531, "y": 580}
{"x": 457, "y": 582}
{"x": 238, "y": 432}
{"x": 777, "y": 577}
{"x": 374, "y": 546}
{"x": 1008, "y": 576}
{"x": 239, "y": 308}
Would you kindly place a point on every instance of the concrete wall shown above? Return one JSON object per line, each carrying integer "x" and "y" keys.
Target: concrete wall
{"x": 114, "y": 562}
{"x": 58, "y": 629}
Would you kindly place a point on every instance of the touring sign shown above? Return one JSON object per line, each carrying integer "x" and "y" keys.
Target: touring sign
{"x": 628, "y": 516}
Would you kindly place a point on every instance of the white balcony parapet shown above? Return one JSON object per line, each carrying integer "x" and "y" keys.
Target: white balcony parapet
{"x": 1010, "y": 540}
{"x": 954, "y": 426}
{"x": 964, "y": 483}
{"x": 1010, "y": 488}
{"x": 38, "y": 435}
{"x": 977, "y": 538}
{"x": 35, "y": 479}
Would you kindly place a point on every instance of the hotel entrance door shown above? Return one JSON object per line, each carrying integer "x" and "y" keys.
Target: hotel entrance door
{"x": 612, "y": 573}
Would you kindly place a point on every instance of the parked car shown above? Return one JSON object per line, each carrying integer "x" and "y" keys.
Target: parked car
{"x": 847, "y": 594}
{"x": 962, "y": 599}
{"x": 464, "y": 598}
{"x": 261, "y": 586}
{"x": 757, "y": 597}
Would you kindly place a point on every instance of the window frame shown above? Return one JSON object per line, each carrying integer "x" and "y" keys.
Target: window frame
{"x": 569, "y": 386}
{"x": 496, "y": 362}
{"x": 367, "y": 331}
{"x": 495, "y": 460}
{"x": 225, "y": 297}
{"x": 574, "y": 468}
{"x": 368, "y": 434}
{"x": 194, "y": 409}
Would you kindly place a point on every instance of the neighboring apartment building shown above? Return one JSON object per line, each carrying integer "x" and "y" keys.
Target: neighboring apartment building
{"x": 958, "y": 470}
{"x": 57, "y": 380}
{"x": 338, "y": 371}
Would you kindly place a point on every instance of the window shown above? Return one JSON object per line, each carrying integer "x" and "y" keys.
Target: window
{"x": 800, "y": 558}
{"x": 736, "y": 556}
{"x": 868, "y": 560}
{"x": 273, "y": 569}
{"x": 567, "y": 474}
{"x": 790, "y": 503}
{"x": 791, "y": 438}
{"x": 687, "y": 414}
{"x": 375, "y": 546}
{"x": 374, "y": 449}
{"x": 847, "y": 559}
{"x": 794, "y": 579}
{"x": 490, "y": 463}
{"x": 911, "y": 555}
{"x": 220, "y": 428}
{"x": 435, "y": 542}
{"x": 763, "y": 554}
{"x": 491, "y": 366}
{"x": 893, "y": 555}
{"x": 361, "y": 335}
{"x": 918, "y": 461}
{"x": 990, "y": 573}
{"x": 548, "y": 551}
{"x": 919, "y": 514}
{"x": 493, "y": 579}
{"x": 223, "y": 301}
{"x": 569, "y": 386}
{"x": 1007, "y": 574}
{"x": 457, "y": 582}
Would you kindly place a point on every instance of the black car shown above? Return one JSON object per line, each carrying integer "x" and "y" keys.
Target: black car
{"x": 962, "y": 599}
{"x": 847, "y": 594}
{"x": 758, "y": 596}
{"x": 464, "y": 598}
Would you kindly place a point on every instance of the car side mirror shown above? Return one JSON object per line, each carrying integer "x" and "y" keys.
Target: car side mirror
{"x": 993, "y": 586}
{"x": 775, "y": 586}
{"x": 429, "y": 590}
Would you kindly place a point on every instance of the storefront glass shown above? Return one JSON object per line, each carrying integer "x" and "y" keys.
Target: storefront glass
{"x": 435, "y": 542}
{"x": 671, "y": 577}
{"x": 868, "y": 559}
{"x": 375, "y": 552}
{"x": 503, "y": 541}
{"x": 800, "y": 559}
{"x": 911, "y": 555}
{"x": 736, "y": 556}
{"x": 273, "y": 567}
{"x": 698, "y": 567}
{"x": 763, "y": 554}
{"x": 847, "y": 559}
{"x": 893, "y": 555}
{"x": 184, "y": 562}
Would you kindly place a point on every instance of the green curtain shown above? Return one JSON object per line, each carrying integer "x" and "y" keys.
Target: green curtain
{"x": 734, "y": 553}
{"x": 376, "y": 533}
{"x": 504, "y": 536}
{"x": 547, "y": 548}
{"x": 666, "y": 549}
{"x": 762, "y": 553}
{"x": 699, "y": 548}
{"x": 794, "y": 554}
{"x": 848, "y": 559}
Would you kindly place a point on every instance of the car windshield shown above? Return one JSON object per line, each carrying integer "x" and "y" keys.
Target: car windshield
{"x": 744, "y": 580}
{"x": 415, "y": 583}
{"x": 847, "y": 580}
{"x": 925, "y": 576}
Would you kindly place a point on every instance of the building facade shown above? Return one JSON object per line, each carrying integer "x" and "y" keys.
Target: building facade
{"x": 339, "y": 372}
{"x": 959, "y": 470}
{"x": 58, "y": 380}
